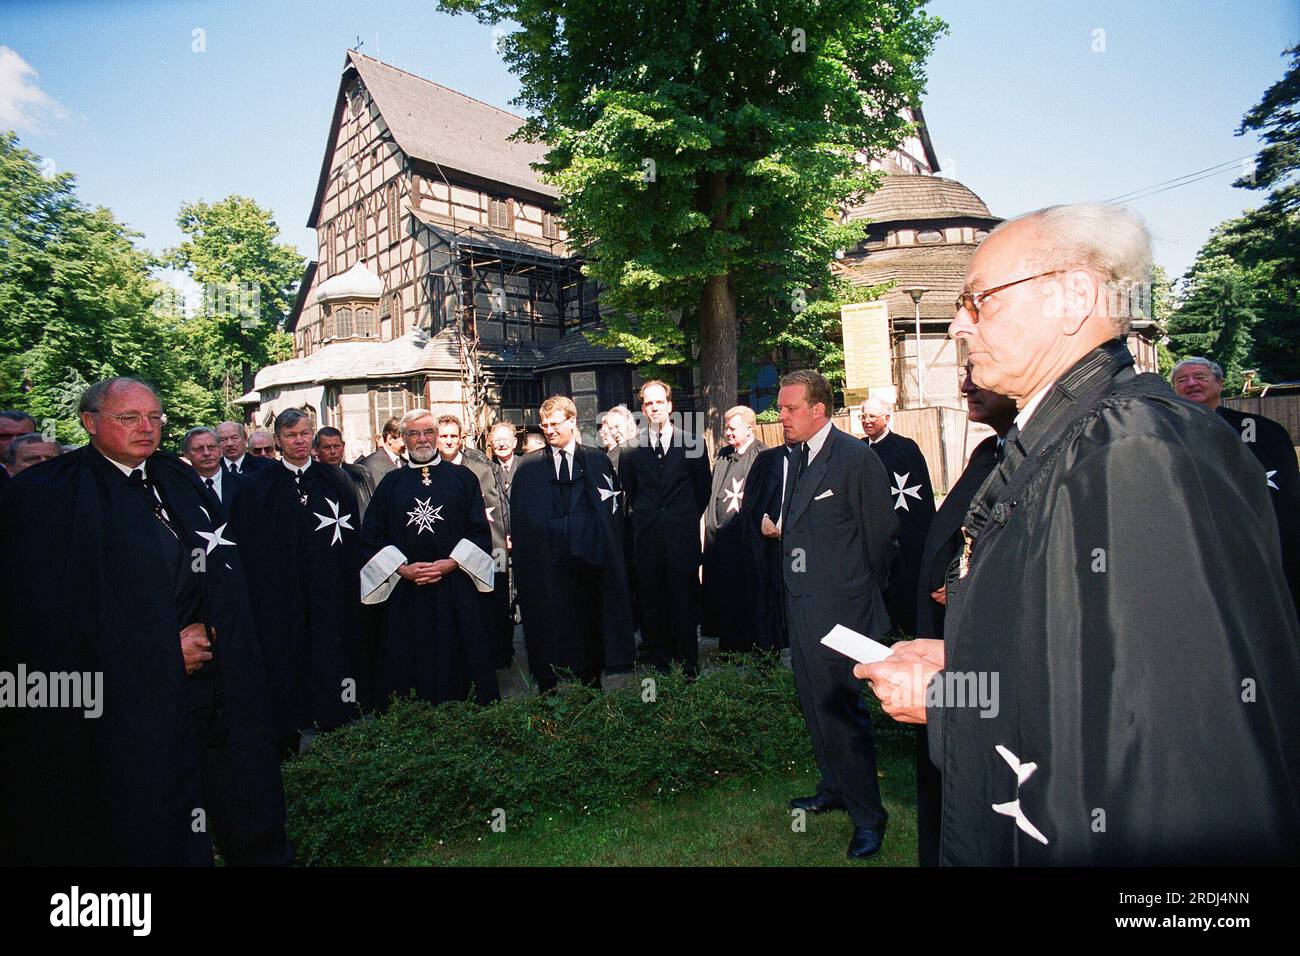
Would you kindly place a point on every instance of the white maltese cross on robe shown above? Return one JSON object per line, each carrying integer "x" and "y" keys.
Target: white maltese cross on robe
{"x": 902, "y": 491}
{"x": 424, "y": 516}
{"x": 607, "y": 493}
{"x": 735, "y": 495}
{"x": 337, "y": 521}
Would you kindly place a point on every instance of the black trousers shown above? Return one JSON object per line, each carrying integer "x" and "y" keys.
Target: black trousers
{"x": 837, "y": 718}
{"x": 244, "y": 835}
{"x": 929, "y": 801}
{"x": 498, "y": 621}
{"x": 578, "y": 652}
{"x": 670, "y": 609}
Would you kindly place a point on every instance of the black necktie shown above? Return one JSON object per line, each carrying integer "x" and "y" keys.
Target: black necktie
{"x": 212, "y": 488}
{"x": 233, "y": 469}
{"x": 793, "y": 471}
{"x": 297, "y": 477}
{"x": 564, "y": 467}
{"x": 659, "y": 446}
{"x": 155, "y": 502}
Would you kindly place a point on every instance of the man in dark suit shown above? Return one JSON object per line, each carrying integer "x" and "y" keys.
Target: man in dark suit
{"x": 233, "y": 444}
{"x": 1201, "y": 380}
{"x": 837, "y": 536}
{"x": 665, "y": 475}
{"x": 388, "y": 456}
{"x": 329, "y": 447}
{"x": 503, "y": 440}
{"x": 203, "y": 451}
{"x": 909, "y": 476}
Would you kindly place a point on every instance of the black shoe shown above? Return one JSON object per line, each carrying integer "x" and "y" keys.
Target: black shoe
{"x": 817, "y": 803}
{"x": 866, "y": 843}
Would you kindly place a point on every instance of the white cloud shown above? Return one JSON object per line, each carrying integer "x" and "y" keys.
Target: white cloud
{"x": 23, "y": 104}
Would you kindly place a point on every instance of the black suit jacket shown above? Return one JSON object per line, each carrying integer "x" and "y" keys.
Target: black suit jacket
{"x": 837, "y": 537}
{"x": 251, "y": 464}
{"x": 666, "y": 499}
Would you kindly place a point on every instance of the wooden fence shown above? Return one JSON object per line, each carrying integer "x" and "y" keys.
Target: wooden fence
{"x": 943, "y": 434}
{"x": 1284, "y": 409}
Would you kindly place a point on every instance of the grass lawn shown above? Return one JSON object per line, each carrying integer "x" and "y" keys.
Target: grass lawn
{"x": 737, "y": 822}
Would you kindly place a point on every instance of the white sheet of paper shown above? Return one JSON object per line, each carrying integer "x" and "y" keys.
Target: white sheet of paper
{"x": 850, "y": 643}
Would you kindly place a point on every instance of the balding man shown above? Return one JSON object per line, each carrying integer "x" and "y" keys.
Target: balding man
{"x": 27, "y": 450}
{"x": 1201, "y": 380}
{"x": 726, "y": 598}
{"x": 1120, "y": 653}
{"x": 909, "y": 484}
{"x": 153, "y": 610}
{"x": 234, "y": 455}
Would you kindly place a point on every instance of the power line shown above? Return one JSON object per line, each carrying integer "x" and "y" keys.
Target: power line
{"x": 1178, "y": 180}
{"x": 1176, "y": 185}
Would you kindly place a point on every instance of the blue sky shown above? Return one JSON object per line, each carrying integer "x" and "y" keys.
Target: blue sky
{"x": 1028, "y": 103}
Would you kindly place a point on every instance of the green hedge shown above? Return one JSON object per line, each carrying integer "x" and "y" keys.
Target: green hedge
{"x": 380, "y": 789}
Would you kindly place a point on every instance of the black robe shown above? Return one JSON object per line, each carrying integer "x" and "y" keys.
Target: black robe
{"x": 726, "y": 583}
{"x": 1124, "y": 585}
{"x": 569, "y": 557}
{"x": 909, "y": 484}
{"x": 267, "y": 517}
{"x": 124, "y": 788}
{"x": 1274, "y": 449}
{"x": 337, "y": 677}
{"x": 943, "y": 541}
{"x": 764, "y": 609}
{"x": 434, "y": 640}
{"x": 942, "y": 544}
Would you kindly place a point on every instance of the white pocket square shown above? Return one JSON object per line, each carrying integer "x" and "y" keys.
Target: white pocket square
{"x": 825, "y": 494}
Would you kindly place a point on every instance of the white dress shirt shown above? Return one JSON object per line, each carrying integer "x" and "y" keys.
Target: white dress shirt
{"x": 216, "y": 483}
{"x": 568, "y": 452}
{"x": 1031, "y": 406}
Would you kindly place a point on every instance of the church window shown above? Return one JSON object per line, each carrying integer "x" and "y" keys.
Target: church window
{"x": 343, "y": 322}
{"x": 550, "y": 228}
{"x": 930, "y": 235}
{"x": 391, "y": 202}
{"x": 364, "y": 321}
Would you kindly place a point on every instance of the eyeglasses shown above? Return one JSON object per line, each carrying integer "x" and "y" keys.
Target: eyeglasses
{"x": 552, "y": 426}
{"x": 970, "y": 301}
{"x": 264, "y": 450}
{"x": 133, "y": 419}
{"x": 423, "y": 433}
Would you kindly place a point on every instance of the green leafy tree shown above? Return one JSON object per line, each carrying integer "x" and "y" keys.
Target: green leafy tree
{"x": 248, "y": 281}
{"x": 1216, "y": 316}
{"x": 698, "y": 148}
{"x": 75, "y": 296}
{"x": 1277, "y": 117}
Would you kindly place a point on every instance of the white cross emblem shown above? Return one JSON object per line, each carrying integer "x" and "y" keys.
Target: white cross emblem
{"x": 338, "y": 522}
{"x": 1269, "y": 479}
{"x": 902, "y": 491}
{"x": 214, "y": 538}
{"x": 608, "y": 493}
{"x": 424, "y": 516}
{"x": 735, "y": 496}
{"x": 1023, "y": 772}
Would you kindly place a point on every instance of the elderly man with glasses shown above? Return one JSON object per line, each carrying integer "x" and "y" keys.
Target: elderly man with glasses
{"x": 1116, "y": 678}
{"x": 152, "y": 607}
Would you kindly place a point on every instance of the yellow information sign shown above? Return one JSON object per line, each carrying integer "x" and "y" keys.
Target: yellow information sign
{"x": 867, "y": 359}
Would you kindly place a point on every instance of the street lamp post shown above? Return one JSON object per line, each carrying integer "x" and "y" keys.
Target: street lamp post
{"x": 916, "y": 294}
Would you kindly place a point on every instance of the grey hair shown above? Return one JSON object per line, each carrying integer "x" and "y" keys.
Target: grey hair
{"x": 288, "y": 418}
{"x": 1213, "y": 366}
{"x": 1111, "y": 239}
{"x": 887, "y": 406}
{"x": 413, "y": 415}
{"x": 196, "y": 431}
{"x": 27, "y": 438}
{"x": 243, "y": 432}
{"x": 92, "y": 399}
{"x": 504, "y": 423}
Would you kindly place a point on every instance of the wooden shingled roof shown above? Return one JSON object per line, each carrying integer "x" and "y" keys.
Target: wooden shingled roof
{"x": 433, "y": 124}
{"x": 940, "y": 269}
{"x": 904, "y": 197}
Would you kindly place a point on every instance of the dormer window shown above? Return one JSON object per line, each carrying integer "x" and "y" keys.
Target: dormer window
{"x": 930, "y": 235}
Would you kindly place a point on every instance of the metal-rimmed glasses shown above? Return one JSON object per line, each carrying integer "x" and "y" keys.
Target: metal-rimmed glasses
{"x": 970, "y": 301}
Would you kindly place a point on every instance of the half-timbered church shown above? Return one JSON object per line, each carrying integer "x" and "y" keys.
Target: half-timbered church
{"x": 442, "y": 278}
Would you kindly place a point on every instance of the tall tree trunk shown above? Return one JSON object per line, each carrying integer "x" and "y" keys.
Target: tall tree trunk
{"x": 717, "y": 330}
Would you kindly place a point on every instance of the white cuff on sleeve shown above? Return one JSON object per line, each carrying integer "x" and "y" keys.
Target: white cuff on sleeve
{"x": 379, "y": 576}
{"x": 475, "y": 562}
